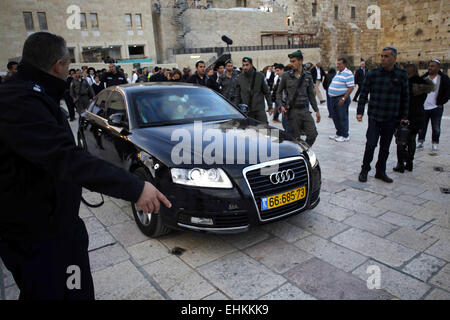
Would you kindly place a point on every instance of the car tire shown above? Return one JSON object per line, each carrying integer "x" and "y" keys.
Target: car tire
{"x": 150, "y": 225}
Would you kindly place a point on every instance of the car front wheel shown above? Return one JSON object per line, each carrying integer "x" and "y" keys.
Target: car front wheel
{"x": 149, "y": 223}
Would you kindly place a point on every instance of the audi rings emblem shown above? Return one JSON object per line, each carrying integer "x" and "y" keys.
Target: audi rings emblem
{"x": 282, "y": 176}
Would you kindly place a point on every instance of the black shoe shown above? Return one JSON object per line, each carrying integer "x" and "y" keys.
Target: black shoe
{"x": 363, "y": 176}
{"x": 322, "y": 101}
{"x": 72, "y": 119}
{"x": 355, "y": 100}
{"x": 409, "y": 166}
{"x": 399, "y": 168}
{"x": 384, "y": 177}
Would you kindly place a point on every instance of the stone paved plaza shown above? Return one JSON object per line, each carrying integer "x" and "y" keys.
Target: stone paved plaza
{"x": 403, "y": 228}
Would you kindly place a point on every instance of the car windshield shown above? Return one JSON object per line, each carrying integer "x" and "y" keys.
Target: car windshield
{"x": 181, "y": 105}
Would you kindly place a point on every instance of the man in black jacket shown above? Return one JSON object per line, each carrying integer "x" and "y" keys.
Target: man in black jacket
{"x": 201, "y": 78}
{"x": 360, "y": 75}
{"x": 388, "y": 88}
{"x": 157, "y": 76}
{"x": 434, "y": 104}
{"x": 43, "y": 242}
{"x": 67, "y": 98}
{"x": 251, "y": 89}
{"x": 112, "y": 77}
{"x": 279, "y": 70}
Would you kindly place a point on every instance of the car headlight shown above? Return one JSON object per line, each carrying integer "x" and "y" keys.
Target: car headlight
{"x": 312, "y": 158}
{"x": 197, "y": 177}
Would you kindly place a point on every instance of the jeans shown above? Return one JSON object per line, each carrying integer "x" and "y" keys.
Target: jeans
{"x": 284, "y": 122}
{"x": 436, "y": 116}
{"x": 330, "y": 111}
{"x": 383, "y": 131}
{"x": 340, "y": 116}
{"x": 277, "y": 112}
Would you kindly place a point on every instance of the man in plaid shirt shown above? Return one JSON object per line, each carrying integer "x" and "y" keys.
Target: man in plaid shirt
{"x": 389, "y": 102}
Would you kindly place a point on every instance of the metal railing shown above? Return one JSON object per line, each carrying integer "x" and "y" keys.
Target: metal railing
{"x": 221, "y": 50}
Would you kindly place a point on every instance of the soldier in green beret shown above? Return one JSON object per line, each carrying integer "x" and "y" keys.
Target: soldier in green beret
{"x": 299, "y": 87}
{"x": 251, "y": 88}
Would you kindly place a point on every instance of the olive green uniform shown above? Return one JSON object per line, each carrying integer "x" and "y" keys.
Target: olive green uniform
{"x": 243, "y": 92}
{"x": 298, "y": 115}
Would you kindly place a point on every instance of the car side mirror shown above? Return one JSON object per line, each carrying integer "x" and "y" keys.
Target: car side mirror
{"x": 243, "y": 108}
{"x": 117, "y": 120}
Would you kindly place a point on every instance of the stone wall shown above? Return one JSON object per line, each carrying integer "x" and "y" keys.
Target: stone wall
{"x": 419, "y": 29}
{"x": 342, "y": 36}
{"x": 204, "y": 28}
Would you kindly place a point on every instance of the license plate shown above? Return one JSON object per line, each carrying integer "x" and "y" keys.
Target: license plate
{"x": 282, "y": 199}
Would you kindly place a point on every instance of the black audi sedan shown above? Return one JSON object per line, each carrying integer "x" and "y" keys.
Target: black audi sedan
{"x": 222, "y": 171}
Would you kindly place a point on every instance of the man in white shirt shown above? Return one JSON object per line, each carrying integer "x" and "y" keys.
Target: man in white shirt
{"x": 135, "y": 77}
{"x": 434, "y": 104}
{"x": 90, "y": 76}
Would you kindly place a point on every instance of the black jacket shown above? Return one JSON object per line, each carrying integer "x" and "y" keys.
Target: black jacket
{"x": 275, "y": 88}
{"x": 206, "y": 81}
{"x": 111, "y": 79}
{"x": 360, "y": 76}
{"x": 68, "y": 82}
{"x": 157, "y": 77}
{"x": 314, "y": 74}
{"x": 444, "y": 89}
{"x": 42, "y": 170}
{"x": 418, "y": 90}
{"x": 97, "y": 88}
{"x": 327, "y": 80}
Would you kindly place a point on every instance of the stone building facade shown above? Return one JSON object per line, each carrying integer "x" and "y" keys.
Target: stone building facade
{"x": 106, "y": 31}
{"x": 159, "y": 30}
{"x": 341, "y": 27}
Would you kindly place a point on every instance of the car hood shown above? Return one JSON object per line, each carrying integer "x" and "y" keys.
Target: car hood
{"x": 169, "y": 144}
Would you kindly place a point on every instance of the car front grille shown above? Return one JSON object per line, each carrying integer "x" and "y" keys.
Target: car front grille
{"x": 261, "y": 187}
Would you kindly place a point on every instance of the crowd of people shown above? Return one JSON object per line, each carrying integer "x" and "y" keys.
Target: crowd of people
{"x": 396, "y": 93}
